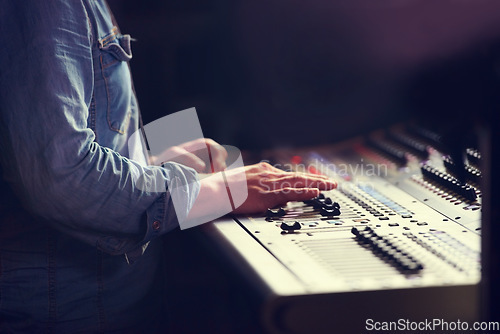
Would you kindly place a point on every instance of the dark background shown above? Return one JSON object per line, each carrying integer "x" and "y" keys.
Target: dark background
{"x": 275, "y": 73}
{"x": 286, "y": 73}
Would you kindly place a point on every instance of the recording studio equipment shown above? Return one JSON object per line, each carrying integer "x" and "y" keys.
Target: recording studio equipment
{"x": 398, "y": 240}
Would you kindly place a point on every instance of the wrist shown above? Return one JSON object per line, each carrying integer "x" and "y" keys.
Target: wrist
{"x": 212, "y": 201}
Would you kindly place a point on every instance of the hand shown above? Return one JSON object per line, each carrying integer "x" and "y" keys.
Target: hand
{"x": 269, "y": 186}
{"x": 203, "y": 155}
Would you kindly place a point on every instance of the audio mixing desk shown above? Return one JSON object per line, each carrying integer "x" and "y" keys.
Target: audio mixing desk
{"x": 398, "y": 239}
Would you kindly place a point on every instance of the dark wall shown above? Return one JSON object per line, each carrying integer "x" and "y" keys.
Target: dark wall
{"x": 271, "y": 73}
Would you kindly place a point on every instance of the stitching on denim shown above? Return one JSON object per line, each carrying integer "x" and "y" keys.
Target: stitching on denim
{"x": 107, "y": 39}
{"x": 51, "y": 277}
{"x": 108, "y": 110}
{"x": 115, "y": 60}
{"x": 111, "y": 63}
{"x": 93, "y": 116}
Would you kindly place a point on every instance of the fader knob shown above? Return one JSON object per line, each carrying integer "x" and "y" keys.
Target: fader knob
{"x": 290, "y": 227}
{"x": 271, "y": 213}
{"x": 329, "y": 212}
{"x": 317, "y": 203}
{"x": 328, "y": 206}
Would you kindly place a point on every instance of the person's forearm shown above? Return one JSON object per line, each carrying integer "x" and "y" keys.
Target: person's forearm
{"x": 52, "y": 93}
{"x": 213, "y": 201}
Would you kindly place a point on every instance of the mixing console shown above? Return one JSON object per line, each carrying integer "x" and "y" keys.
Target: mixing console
{"x": 398, "y": 239}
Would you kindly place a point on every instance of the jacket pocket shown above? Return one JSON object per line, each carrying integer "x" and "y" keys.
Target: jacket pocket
{"x": 114, "y": 56}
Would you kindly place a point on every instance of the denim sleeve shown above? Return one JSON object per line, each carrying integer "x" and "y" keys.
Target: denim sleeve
{"x": 49, "y": 155}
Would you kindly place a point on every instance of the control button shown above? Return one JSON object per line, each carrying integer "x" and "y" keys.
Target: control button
{"x": 317, "y": 203}
{"x": 413, "y": 145}
{"x": 329, "y": 212}
{"x": 468, "y": 172}
{"x": 383, "y": 218}
{"x": 394, "y": 153}
{"x": 473, "y": 156}
{"x": 312, "y": 200}
{"x": 393, "y": 224}
{"x": 449, "y": 182}
{"x": 275, "y": 213}
{"x": 383, "y": 247}
{"x": 290, "y": 227}
{"x": 327, "y": 206}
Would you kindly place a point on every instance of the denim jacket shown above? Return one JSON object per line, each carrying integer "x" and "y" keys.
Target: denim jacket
{"x": 74, "y": 226}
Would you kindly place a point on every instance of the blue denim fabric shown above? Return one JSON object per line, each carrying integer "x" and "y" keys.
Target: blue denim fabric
{"x": 73, "y": 225}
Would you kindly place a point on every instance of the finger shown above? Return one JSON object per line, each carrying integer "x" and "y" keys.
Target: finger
{"x": 211, "y": 152}
{"x": 300, "y": 177}
{"x": 302, "y": 181}
{"x": 218, "y": 155}
{"x": 188, "y": 159}
{"x": 197, "y": 147}
{"x": 320, "y": 176}
{"x": 268, "y": 167}
{"x": 194, "y": 145}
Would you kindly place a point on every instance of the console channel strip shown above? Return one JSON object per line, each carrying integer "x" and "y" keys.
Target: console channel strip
{"x": 398, "y": 239}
